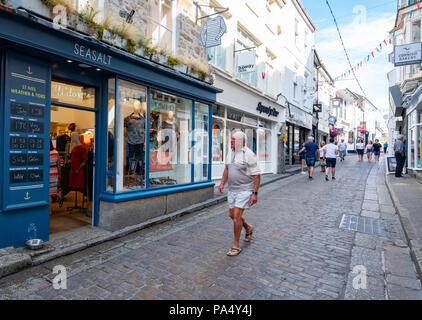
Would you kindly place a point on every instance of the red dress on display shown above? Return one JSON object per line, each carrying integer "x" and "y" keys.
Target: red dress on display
{"x": 77, "y": 181}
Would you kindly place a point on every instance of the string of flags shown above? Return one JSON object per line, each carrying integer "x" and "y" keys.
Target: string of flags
{"x": 379, "y": 48}
{"x": 363, "y": 62}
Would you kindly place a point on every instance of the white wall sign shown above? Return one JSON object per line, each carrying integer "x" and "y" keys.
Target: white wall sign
{"x": 311, "y": 95}
{"x": 246, "y": 62}
{"x": 212, "y": 32}
{"x": 408, "y": 54}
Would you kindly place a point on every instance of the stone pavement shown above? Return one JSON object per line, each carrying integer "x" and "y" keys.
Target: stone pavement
{"x": 407, "y": 193}
{"x": 298, "y": 252}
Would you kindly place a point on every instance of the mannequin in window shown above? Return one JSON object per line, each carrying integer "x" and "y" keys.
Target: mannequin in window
{"x": 135, "y": 135}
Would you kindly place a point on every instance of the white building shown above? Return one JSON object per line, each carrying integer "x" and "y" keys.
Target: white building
{"x": 405, "y": 90}
{"x": 356, "y": 118}
{"x": 280, "y": 36}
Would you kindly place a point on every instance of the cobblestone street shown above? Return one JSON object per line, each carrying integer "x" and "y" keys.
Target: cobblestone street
{"x": 299, "y": 250}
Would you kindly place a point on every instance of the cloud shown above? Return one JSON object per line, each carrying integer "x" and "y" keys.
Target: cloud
{"x": 360, "y": 40}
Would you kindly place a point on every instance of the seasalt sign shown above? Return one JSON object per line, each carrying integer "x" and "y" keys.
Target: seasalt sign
{"x": 90, "y": 54}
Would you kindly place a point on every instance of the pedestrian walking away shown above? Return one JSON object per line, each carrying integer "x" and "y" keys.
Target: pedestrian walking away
{"x": 377, "y": 150}
{"x": 321, "y": 155}
{"x": 385, "y": 147}
{"x": 360, "y": 148}
{"x": 312, "y": 154}
{"x": 369, "y": 150}
{"x": 342, "y": 147}
{"x": 399, "y": 153}
{"x": 243, "y": 176}
{"x": 330, "y": 157}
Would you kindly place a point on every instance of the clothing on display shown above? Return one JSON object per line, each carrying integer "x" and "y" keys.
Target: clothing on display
{"x": 54, "y": 172}
{"x": 135, "y": 126}
{"x": 77, "y": 179}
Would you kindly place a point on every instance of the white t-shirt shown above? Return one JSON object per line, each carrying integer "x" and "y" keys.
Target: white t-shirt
{"x": 360, "y": 146}
{"x": 342, "y": 146}
{"x": 331, "y": 151}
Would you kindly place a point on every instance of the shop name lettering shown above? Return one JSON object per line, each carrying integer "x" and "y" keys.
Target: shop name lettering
{"x": 27, "y": 91}
{"x": 92, "y": 55}
{"x": 267, "y": 110}
{"x": 245, "y": 68}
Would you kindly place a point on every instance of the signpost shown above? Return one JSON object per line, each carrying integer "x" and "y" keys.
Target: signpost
{"x": 408, "y": 54}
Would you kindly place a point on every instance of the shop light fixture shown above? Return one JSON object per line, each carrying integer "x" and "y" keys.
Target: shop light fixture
{"x": 69, "y": 61}
{"x": 84, "y": 66}
{"x": 98, "y": 69}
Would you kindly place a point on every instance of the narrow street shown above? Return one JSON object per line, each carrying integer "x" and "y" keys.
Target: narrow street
{"x": 298, "y": 251}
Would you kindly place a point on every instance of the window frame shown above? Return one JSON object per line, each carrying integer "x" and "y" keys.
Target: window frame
{"x": 147, "y": 190}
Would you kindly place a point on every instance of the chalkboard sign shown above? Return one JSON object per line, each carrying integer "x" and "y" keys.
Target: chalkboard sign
{"x": 35, "y": 175}
{"x": 35, "y": 127}
{"x": 35, "y": 143}
{"x": 20, "y": 126}
{"x": 36, "y": 111}
{"x": 35, "y": 159}
{"x": 391, "y": 164}
{"x": 18, "y": 143}
{"x": 18, "y": 160}
{"x": 18, "y": 109}
{"x": 18, "y": 176}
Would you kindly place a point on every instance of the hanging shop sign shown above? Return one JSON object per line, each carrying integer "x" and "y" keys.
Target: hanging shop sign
{"x": 246, "y": 62}
{"x": 408, "y": 54}
{"x": 212, "y": 32}
{"x": 335, "y": 103}
{"x": 332, "y": 120}
{"x": 26, "y": 135}
{"x": 267, "y": 110}
{"x": 318, "y": 107}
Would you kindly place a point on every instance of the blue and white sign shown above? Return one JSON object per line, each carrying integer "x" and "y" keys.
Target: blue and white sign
{"x": 212, "y": 32}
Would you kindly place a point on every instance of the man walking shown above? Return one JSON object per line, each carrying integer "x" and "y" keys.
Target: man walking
{"x": 330, "y": 157}
{"x": 399, "y": 153}
{"x": 244, "y": 177}
{"x": 312, "y": 153}
{"x": 342, "y": 147}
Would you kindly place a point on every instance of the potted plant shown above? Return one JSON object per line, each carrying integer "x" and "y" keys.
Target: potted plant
{"x": 160, "y": 56}
{"x": 173, "y": 62}
{"x": 142, "y": 44}
{"x": 85, "y": 22}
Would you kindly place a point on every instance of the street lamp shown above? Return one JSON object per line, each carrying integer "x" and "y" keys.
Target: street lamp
{"x": 286, "y": 102}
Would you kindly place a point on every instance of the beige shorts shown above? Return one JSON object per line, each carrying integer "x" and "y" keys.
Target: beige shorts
{"x": 239, "y": 199}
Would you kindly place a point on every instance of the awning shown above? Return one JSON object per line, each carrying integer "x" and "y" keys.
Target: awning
{"x": 396, "y": 98}
{"x": 416, "y": 99}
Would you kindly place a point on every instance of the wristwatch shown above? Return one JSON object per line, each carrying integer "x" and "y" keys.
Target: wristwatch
{"x": 255, "y": 193}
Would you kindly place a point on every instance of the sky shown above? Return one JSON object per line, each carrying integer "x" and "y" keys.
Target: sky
{"x": 363, "y": 25}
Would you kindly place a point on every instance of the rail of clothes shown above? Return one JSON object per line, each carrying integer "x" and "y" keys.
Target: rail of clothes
{"x": 71, "y": 164}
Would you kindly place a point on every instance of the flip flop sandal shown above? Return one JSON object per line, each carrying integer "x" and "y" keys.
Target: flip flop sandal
{"x": 237, "y": 250}
{"x": 248, "y": 236}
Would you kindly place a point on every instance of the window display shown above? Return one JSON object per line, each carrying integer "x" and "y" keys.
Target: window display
{"x": 170, "y": 142}
{"x": 201, "y": 142}
{"x": 217, "y": 140}
{"x": 264, "y": 145}
{"x": 130, "y": 136}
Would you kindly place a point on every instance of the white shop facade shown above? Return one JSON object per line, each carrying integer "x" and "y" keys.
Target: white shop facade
{"x": 259, "y": 116}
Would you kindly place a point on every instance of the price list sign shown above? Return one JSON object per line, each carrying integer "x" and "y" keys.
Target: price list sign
{"x": 27, "y": 120}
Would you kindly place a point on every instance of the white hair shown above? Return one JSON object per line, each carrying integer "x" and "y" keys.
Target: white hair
{"x": 311, "y": 138}
{"x": 240, "y": 135}
{"x": 400, "y": 137}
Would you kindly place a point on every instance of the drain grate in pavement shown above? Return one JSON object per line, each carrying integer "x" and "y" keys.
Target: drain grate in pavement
{"x": 365, "y": 225}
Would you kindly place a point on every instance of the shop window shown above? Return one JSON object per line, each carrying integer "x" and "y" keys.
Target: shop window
{"x": 264, "y": 137}
{"x": 160, "y": 23}
{"x": 201, "y": 142}
{"x": 110, "y": 134}
{"x": 170, "y": 143}
{"x": 412, "y": 147}
{"x": 234, "y": 115}
{"x": 217, "y": 140}
{"x": 75, "y": 95}
{"x": 218, "y": 111}
{"x": 130, "y": 136}
{"x": 419, "y": 146}
{"x": 416, "y": 31}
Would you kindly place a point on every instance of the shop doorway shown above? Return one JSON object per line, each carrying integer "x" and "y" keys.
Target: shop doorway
{"x": 72, "y": 145}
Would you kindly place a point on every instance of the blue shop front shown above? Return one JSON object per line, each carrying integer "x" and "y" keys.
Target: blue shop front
{"x": 92, "y": 135}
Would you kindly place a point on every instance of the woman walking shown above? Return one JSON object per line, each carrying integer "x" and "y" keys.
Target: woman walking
{"x": 377, "y": 150}
{"x": 369, "y": 150}
{"x": 321, "y": 154}
{"x": 360, "y": 148}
